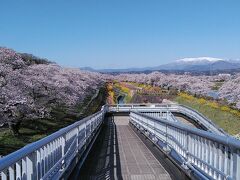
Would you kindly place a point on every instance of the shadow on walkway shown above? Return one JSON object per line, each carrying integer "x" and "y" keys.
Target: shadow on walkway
{"x": 103, "y": 161}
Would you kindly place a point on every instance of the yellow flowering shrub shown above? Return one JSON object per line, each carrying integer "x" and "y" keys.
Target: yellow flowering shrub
{"x": 225, "y": 108}
{"x": 202, "y": 101}
{"x": 186, "y": 96}
{"x": 213, "y": 105}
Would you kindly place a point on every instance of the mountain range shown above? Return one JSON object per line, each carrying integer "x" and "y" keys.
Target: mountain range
{"x": 199, "y": 64}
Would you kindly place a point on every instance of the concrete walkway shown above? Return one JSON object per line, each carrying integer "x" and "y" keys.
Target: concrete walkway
{"x": 120, "y": 154}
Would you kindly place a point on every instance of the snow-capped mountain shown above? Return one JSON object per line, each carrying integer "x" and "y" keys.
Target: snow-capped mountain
{"x": 201, "y": 64}
{"x": 199, "y": 59}
{"x": 197, "y": 64}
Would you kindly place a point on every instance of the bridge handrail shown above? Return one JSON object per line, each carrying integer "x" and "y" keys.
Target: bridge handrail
{"x": 15, "y": 156}
{"x": 229, "y": 141}
{"x": 168, "y": 115}
{"x": 62, "y": 139}
{"x": 188, "y": 143}
{"x": 173, "y": 107}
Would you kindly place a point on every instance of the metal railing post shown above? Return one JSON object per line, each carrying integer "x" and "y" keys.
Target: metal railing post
{"x": 11, "y": 172}
{"x": 18, "y": 170}
{"x": 236, "y": 164}
{"x": 30, "y": 166}
{"x": 4, "y": 174}
{"x": 187, "y": 147}
{"x": 63, "y": 144}
{"x": 77, "y": 143}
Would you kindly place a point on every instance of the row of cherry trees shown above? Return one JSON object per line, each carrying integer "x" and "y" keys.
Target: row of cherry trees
{"x": 231, "y": 90}
{"x": 193, "y": 84}
{"x": 32, "y": 90}
{"x": 200, "y": 85}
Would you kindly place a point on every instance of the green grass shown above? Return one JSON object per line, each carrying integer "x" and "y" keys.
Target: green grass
{"x": 226, "y": 120}
{"x": 31, "y": 131}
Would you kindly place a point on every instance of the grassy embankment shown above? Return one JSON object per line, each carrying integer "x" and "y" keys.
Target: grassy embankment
{"x": 136, "y": 92}
{"x": 225, "y": 117}
{"x": 34, "y": 130}
{"x": 122, "y": 89}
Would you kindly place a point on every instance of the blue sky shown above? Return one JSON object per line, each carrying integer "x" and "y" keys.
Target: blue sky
{"x": 121, "y": 33}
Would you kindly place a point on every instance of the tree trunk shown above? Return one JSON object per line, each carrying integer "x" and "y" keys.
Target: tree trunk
{"x": 14, "y": 128}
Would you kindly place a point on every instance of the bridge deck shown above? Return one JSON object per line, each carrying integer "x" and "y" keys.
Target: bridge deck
{"x": 120, "y": 154}
{"x": 186, "y": 121}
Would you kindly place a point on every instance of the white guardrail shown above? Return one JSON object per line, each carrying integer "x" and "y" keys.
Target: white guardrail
{"x": 167, "y": 115}
{"x": 49, "y": 157}
{"x": 215, "y": 156}
{"x": 189, "y": 112}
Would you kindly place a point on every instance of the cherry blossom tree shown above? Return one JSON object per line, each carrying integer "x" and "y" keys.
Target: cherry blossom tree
{"x": 199, "y": 85}
{"x": 32, "y": 90}
{"x": 231, "y": 91}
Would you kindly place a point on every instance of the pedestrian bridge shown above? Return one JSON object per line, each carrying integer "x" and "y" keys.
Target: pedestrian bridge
{"x": 130, "y": 141}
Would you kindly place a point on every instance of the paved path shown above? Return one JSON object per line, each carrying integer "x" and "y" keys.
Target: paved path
{"x": 120, "y": 154}
{"x": 186, "y": 121}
